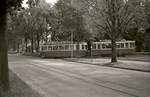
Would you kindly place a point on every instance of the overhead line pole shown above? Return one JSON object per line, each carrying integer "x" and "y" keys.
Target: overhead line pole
{"x": 72, "y": 45}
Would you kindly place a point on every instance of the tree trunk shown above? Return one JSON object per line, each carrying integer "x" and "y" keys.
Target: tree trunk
{"x": 114, "y": 51}
{"x": 32, "y": 48}
{"x": 38, "y": 43}
{"x": 26, "y": 44}
{"x": 78, "y": 50}
{"x": 4, "y": 72}
{"x": 18, "y": 47}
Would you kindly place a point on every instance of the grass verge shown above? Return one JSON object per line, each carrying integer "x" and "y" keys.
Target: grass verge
{"x": 18, "y": 88}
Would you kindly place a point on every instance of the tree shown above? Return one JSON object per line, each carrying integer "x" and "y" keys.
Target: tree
{"x": 40, "y": 14}
{"x": 71, "y": 22}
{"x": 15, "y": 29}
{"x": 111, "y": 16}
{"x": 5, "y": 7}
{"x": 136, "y": 29}
{"x": 4, "y": 80}
{"x": 30, "y": 24}
{"x": 147, "y": 38}
{"x": 41, "y": 25}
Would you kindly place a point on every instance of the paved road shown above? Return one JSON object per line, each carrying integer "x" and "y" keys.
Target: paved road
{"x": 59, "y": 78}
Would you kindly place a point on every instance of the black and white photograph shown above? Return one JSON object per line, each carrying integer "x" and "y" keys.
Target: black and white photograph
{"x": 75, "y": 48}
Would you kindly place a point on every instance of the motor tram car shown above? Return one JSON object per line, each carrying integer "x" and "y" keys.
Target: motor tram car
{"x": 69, "y": 49}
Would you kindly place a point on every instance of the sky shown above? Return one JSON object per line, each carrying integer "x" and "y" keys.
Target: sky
{"x": 24, "y": 3}
{"x": 48, "y": 1}
{"x": 51, "y": 1}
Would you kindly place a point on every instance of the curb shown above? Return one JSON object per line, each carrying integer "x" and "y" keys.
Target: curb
{"x": 147, "y": 71}
{"x": 136, "y": 60}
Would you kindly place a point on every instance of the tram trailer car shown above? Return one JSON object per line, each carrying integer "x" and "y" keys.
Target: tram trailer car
{"x": 64, "y": 50}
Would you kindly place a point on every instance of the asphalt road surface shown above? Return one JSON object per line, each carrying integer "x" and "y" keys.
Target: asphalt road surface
{"x": 59, "y": 78}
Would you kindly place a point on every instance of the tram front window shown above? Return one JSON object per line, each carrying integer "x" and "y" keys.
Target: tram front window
{"x": 83, "y": 47}
{"x": 86, "y": 47}
{"x": 132, "y": 45}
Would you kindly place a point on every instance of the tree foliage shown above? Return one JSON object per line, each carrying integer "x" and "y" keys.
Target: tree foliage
{"x": 139, "y": 25}
{"x": 31, "y": 23}
{"x": 70, "y": 20}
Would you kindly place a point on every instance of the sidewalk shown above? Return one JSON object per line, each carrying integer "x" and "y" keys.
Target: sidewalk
{"x": 144, "y": 58}
{"x": 123, "y": 63}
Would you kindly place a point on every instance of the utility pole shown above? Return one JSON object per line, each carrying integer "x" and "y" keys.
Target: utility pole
{"x": 72, "y": 45}
{"x": 91, "y": 52}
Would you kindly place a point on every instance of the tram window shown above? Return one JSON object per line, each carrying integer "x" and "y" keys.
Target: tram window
{"x": 118, "y": 45}
{"x": 122, "y": 45}
{"x": 44, "y": 48}
{"x": 127, "y": 45}
{"x": 77, "y": 46}
{"x": 86, "y": 46}
{"x": 83, "y": 47}
{"x": 61, "y": 47}
{"x": 103, "y": 46}
{"x": 55, "y": 47}
{"x": 94, "y": 46}
{"x": 131, "y": 45}
{"x": 108, "y": 45}
{"x": 71, "y": 47}
{"x": 66, "y": 47}
{"x": 99, "y": 46}
{"x": 49, "y": 47}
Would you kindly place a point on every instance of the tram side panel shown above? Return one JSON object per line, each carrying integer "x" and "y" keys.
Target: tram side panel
{"x": 108, "y": 52}
{"x": 62, "y": 54}
{"x": 98, "y": 49}
{"x": 84, "y": 53}
{"x": 104, "y": 48}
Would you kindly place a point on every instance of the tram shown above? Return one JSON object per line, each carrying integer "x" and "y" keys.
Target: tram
{"x": 69, "y": 49}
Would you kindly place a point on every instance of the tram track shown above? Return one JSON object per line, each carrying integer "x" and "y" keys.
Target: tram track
{"x": 87, "y": 79}
{"x": 83, "y": 75}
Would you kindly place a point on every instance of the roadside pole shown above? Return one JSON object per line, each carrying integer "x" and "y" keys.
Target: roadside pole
{"x": 72, "y": 46}
{"x": 91, "y": 54}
